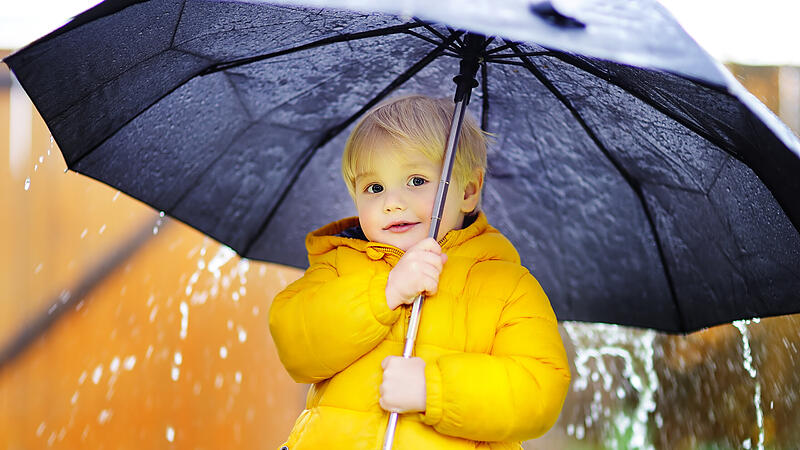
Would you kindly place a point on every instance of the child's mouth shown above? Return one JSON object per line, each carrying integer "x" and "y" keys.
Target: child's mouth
{"x": 400, "y": 227}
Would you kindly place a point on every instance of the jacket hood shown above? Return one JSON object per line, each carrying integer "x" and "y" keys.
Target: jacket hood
{"x": 479, "y": 241}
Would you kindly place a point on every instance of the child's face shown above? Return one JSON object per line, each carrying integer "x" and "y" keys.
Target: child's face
{"x": 395, "y": 198}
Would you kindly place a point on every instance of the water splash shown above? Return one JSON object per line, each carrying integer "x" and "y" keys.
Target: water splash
{"x": 595, "y": 346}
{"x": 742, "y": 326}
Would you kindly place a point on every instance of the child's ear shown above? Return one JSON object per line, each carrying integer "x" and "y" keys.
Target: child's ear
{"x": 472, "y": 192}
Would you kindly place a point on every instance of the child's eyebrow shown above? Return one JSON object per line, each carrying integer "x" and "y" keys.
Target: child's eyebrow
{"x": 364, "y": 174}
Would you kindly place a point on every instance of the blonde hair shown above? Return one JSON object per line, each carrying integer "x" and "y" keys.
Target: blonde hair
{"x": 416, "y": 123}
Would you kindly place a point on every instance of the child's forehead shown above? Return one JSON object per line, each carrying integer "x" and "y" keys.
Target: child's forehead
{"x": 396, "y": 158}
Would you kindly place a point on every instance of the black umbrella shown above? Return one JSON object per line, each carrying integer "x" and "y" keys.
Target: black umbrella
{"x": 641, "y": 184}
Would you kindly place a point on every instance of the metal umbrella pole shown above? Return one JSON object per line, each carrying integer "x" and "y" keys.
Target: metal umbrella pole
{"x": 465, "y": 82}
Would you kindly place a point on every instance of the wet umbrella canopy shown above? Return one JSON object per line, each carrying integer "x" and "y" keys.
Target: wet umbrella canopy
{"x": 640, "y": 183}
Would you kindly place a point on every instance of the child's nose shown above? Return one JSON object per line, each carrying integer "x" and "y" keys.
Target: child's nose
{"x": 393, "y": 203}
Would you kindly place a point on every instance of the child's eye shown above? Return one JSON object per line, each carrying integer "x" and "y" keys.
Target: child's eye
{"x": 417, "y": 181}
{"x": 374, "y": 188}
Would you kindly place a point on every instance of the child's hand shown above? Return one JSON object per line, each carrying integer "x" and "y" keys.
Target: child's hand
{"x": 403, "y": 386}
{"x": 417, "y": 272}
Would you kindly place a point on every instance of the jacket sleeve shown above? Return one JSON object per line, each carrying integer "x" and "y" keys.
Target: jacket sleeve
{"x": 516, "y": 392}
{"x": 323, "y": 322}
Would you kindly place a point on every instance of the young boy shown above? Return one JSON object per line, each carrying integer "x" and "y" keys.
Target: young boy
{"x": 490, "y": 369}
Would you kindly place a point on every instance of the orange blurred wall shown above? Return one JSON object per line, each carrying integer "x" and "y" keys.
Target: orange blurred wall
{"x": 170, "y": 350}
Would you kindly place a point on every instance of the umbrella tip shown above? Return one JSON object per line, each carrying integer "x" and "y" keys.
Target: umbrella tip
{"x": 547, "y": 12}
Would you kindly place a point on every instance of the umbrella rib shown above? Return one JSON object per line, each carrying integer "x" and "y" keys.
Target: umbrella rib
{"x": 577, "y": 63}
{"x": 430, "y": 28}
{"x": 420, "y": 36}
{"x": 325, "y": 41}
{"x": 492, "y": 57}
{"x": 301, "y": 163}
{"x": 432, "y": 41}
{"x": 632, "y": 182}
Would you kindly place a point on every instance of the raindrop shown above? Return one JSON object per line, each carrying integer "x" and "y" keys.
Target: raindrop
{"x": 35, "y": 167}
{"x": 83, "y": 233}
{"x": 170, "y": 433}
{"x": 242, "y": 334}
{"x": 238, "y": 376}
{"x": 114, "y": 366}
{"x": 130, "y": 361}
{"x": 223, "y": 352}
{"x": 115, "y": 197}
{"x": 218, "y": 381}
{"x": 102, "y": 228}
{"x": 175, "y": 373}
{"x": 178, "y": 358}
{"x": 104, "y": 416}
{"x": 74, "y": 398}
{"x": 98, "y": 372}
{"x": 40, "y": 429}
{"x": 27, "y": 183}
{"x": 184, "y": 319}
{"x": 82, "y": 378}
{"x": 38, "y": 269}
{"x": 41, "y": 159}
{"x": 161, "y": 214}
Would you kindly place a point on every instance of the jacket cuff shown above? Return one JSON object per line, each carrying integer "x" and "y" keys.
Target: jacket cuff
{"x": 377, "y": 300}
{"x": 433, "y": 391}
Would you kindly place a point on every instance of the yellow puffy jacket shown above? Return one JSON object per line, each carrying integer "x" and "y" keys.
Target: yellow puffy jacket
{"x": 496, "y": 371}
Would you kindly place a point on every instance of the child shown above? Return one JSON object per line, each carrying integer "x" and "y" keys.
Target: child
{"x": 490, "y": 369}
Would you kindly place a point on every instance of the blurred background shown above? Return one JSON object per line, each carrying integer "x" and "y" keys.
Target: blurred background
{"x": 123, "y": 329}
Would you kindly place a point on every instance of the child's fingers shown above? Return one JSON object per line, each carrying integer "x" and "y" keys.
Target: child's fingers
{"x": 420, "y": 261}
{"x": 427, "y": 244}
{"x": 429, "y": 284}
{"x": 385, "y": 362}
